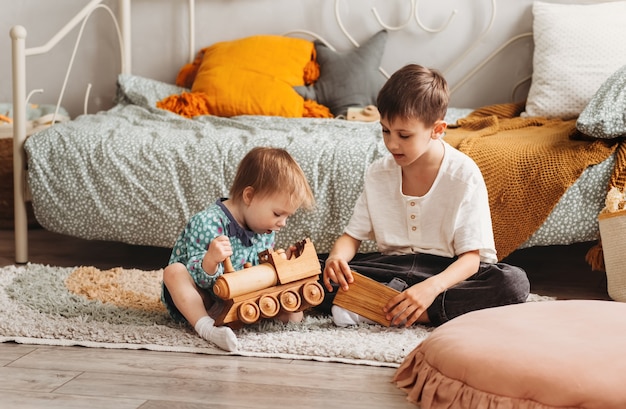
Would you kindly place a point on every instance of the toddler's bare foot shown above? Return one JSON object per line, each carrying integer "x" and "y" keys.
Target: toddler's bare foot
{"x": 286, "y": 317}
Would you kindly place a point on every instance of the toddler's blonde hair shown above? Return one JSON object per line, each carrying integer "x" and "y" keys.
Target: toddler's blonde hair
{"x": 270, "y": 171}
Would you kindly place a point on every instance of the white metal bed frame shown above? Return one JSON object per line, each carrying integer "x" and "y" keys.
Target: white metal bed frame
{"x": 20, "y": 98}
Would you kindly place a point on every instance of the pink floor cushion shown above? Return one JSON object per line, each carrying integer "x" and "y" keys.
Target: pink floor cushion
{"x": 553, "y": 354}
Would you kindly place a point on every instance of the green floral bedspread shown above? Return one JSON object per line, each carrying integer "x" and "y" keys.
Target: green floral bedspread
{"x": 136, "y": 173}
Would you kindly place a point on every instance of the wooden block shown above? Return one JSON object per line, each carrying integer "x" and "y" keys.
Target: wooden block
{"x": 366, "y": 297}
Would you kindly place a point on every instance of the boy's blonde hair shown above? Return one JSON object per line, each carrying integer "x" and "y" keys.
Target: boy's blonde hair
{"x": 269, "y": 171}
{"x": 415, "y": 92}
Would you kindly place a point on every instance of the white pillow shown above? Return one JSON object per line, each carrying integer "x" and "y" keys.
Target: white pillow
{"x": 577, "y": 47}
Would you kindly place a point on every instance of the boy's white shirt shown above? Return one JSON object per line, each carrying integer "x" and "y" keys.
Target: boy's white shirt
{"x": 451, "y": 219}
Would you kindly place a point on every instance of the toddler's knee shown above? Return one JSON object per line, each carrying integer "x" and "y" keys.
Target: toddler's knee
{"x": 172, "y": 271}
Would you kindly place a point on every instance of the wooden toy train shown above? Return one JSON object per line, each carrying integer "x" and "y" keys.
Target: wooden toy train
{"x": 277, "y": 283}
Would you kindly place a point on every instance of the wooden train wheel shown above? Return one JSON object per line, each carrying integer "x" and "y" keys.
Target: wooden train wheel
{"x": 248, "y": 312}
{"x": 313, "y": 293}
{"x": 290, "y": 300}
{"x": 269, "y": 305}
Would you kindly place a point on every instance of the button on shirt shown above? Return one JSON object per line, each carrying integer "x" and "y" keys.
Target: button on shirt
{"x": 450, "y": 219}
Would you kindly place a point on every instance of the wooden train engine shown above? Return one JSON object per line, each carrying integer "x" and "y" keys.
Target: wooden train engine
{"x": 277, "y": 283}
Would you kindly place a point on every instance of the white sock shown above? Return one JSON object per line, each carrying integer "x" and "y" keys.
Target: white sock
{"x": 344, "y": 318}
{"x": 223, "y": 337}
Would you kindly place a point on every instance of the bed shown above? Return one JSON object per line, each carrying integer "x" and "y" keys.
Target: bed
{"x": 135, "y": 172}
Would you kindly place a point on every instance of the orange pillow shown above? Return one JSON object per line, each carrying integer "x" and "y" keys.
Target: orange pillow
{"x": 255, "y": 75}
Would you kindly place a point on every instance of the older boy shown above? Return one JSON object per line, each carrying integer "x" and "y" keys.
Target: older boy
{"x": 427, "y": 208}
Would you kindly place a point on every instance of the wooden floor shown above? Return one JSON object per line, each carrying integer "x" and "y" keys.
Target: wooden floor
{"x": 76, "y": 377}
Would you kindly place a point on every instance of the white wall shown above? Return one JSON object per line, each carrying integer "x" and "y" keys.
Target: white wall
{"x": 160, "y": 48}
{"x": 94, "y": 63}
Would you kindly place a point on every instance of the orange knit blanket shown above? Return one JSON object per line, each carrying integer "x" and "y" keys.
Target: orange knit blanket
{"x": 527, "y": 163}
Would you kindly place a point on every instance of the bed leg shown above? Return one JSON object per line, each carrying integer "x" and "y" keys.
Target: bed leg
{"x": 21, "y": 242}
{"x": 21, "y": 233}
{"x": 18, "y": 36}
{"x": 20, "y": 217}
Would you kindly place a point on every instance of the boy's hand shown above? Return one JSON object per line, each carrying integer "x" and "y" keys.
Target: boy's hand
{"x": 337, "y": 271}
{"x": 408, "y": 306}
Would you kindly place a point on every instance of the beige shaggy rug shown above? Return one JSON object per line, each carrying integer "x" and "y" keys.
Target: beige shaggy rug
{"x": 121, "y": 308}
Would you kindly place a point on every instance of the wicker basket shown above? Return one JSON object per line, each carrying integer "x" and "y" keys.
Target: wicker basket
{"x": 6, "y": 188}
{"x": 613, "y": 234}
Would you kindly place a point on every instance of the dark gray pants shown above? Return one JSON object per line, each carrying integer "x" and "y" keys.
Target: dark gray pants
{"x": 492, "y": 286}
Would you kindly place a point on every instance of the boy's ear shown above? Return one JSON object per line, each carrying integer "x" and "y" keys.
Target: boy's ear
{"x": 248, "y": 194}
{"x": 439, "y": 128}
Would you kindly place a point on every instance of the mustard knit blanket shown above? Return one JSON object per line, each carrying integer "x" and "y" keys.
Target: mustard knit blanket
{"x": 527, "y": 163}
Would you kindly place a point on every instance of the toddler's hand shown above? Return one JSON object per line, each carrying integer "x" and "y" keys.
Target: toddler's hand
{"x": 219, "y": 249}
{"x": 290, "y": 252}
{"x": 337, "y": 271}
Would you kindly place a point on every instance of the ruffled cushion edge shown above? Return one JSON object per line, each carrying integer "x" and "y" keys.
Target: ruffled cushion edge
{"x": 430, "y": 389}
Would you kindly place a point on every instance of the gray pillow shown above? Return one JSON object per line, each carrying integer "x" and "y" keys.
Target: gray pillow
{"x": 145, "y": 92}
{"x": 605, "y": 115}
{"x": 348, "y": 79}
